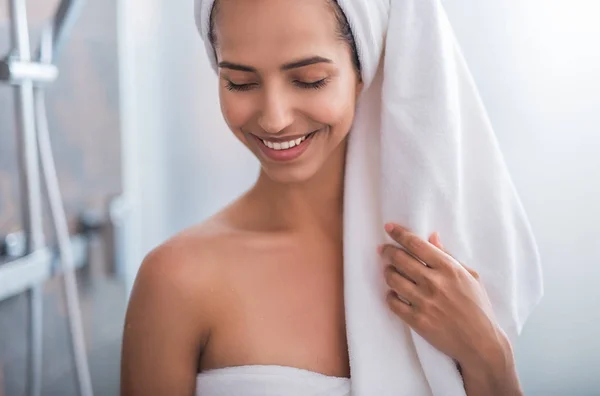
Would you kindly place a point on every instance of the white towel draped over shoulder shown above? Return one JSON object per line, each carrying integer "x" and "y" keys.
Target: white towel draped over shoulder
{"x": 422, "y": 153}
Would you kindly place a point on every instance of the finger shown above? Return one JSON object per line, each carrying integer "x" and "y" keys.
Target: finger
{"x": 435, "y": 240}
{"x": 404, "y": 311}
{"x": 439, "y": 241}
{"x": 404, "y": 263}
{"x": 402, "y": 286}
{"x": 421, "y": 249}
{"x": 471, "y": 271}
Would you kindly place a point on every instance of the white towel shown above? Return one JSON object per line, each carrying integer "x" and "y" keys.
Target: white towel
{"x": 422, "y": 153}
{"x": 257, "y": 380}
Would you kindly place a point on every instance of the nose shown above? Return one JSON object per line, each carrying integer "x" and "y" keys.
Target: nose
{"x": 277, "y": 113}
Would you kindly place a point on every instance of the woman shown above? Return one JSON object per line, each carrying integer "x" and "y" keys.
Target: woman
{"x": 257, "y": 289}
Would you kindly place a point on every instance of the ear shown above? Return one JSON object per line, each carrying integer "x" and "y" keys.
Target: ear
{"x": 359, "y": 87}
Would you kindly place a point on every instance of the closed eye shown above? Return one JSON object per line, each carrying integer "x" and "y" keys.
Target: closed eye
{"x": 312, "y": 85}
{"x": 239, "y": 87}
{"x": 301, "y": 84}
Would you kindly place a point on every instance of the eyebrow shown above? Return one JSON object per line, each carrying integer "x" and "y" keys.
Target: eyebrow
{"x": 288, "y": 66}
{"x": 305, "y": 62}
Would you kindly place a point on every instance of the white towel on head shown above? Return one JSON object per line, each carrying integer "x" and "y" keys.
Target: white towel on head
{"x": 421, "y": 153}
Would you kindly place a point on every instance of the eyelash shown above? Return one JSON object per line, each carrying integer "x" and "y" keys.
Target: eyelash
{"x": 239, "y": 87}
{"x": 313, "y": 85}
{"x": 247, "y": 87}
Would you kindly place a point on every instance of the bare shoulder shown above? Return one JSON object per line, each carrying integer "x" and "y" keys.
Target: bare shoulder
{"x": 189, "y": 266}
{"x": 173, "y": 305}
{"x": 189, "y": 258}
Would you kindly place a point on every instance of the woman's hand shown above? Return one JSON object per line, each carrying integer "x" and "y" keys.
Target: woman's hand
{"x": 445, "y": 303}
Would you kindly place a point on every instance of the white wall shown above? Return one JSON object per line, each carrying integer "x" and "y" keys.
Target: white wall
{"x": 537, "y": 64}
{"x": 181, "y": 163}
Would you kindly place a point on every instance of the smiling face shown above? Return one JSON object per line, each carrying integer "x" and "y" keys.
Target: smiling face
{"x": 288, "y": 85}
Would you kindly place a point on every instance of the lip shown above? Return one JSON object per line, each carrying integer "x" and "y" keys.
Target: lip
{"x": 289, "y": 154}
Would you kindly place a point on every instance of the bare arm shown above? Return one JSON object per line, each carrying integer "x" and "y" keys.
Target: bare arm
{"x": 164, "y": 330}
{"x": 493, "y": 373}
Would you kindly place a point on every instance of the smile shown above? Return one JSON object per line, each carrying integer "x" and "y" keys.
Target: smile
{"x": 285, "y": 145}
{"x": 286, "y": 150}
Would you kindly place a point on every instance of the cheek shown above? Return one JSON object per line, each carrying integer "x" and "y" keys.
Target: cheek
{"x": 237, "y": 109}
{"x": 333, "y": 106}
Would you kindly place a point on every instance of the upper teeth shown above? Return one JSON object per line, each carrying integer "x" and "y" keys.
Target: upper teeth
{"x": 284, "y": 145}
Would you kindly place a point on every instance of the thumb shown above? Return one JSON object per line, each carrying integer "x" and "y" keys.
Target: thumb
{"x": 435, "y": 240}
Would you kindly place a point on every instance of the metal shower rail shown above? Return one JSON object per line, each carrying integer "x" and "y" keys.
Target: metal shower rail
{"x": 29, "y": 73}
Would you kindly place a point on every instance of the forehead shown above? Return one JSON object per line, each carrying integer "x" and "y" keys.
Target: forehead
{"x": 274, "y": 30}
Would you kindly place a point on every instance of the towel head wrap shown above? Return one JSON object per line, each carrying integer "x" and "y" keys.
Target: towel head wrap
{"x": 421, "y": 153}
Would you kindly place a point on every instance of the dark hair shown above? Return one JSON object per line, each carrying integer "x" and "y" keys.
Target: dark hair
{"x": 344, "y": 31}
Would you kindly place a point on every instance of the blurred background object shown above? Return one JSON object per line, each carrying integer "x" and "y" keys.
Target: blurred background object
{"x": 142, "y": 152}
{"x": 83, "y": 120}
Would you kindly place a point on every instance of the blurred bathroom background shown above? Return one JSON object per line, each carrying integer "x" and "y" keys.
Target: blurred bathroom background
{"x": 142, "y": 152}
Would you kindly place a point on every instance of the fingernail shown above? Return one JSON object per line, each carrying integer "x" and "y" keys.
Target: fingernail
{"x": 380, "y": 249}
{"x": 389, "y": 227}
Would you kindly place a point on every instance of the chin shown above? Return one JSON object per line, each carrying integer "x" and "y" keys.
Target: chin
{"x": 323, "y": 153}
{"x": 291, "y": 174}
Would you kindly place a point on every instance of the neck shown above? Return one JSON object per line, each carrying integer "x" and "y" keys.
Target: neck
{"x": 315, "y": 203}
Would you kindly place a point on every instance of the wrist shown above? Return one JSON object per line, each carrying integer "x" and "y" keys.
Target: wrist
{"x": 491, "y": 369}
{"x": 488, "y": 352}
